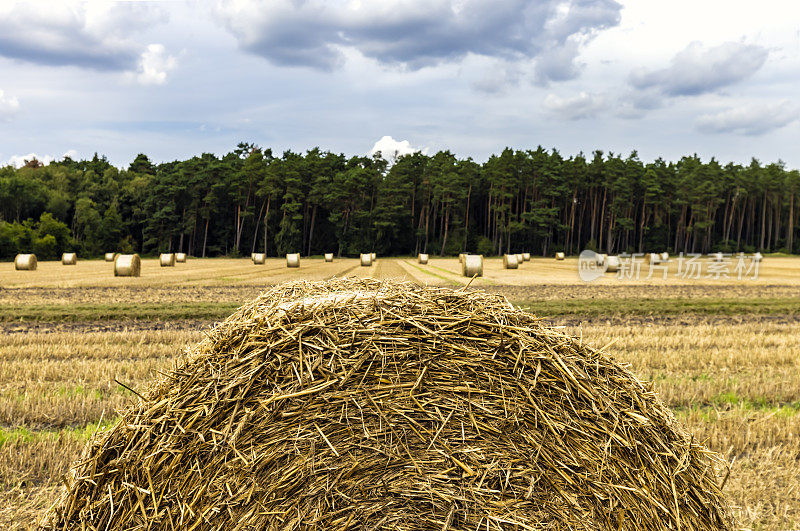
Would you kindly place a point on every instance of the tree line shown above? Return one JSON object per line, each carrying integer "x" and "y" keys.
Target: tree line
{"x": 252, "y": 200}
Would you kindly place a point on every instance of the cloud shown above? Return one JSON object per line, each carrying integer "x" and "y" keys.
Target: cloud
{"x": 582, "y": 106}
{"x": 94, "y": 35}
{"x": 154, "y": 64}
{"x": 419, "y": 33}
{"x": 392, "y": 149}
{"x": 751, "y": 120}
{"x": 9, "y": 105}
{"x": 19, "y": 161}
{"x": 696, "y": 69}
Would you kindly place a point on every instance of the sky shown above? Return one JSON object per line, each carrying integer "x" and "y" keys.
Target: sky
{"x": 174, "y": 79}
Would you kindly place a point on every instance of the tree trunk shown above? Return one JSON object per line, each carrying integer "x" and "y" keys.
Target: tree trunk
{"x": 205, "y": 238}
{"x": 311, "y": 229}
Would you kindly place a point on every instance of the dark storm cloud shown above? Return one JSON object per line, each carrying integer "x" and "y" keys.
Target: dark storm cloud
{"x": 697, "y": 70}
{"x": 419, "y": 33}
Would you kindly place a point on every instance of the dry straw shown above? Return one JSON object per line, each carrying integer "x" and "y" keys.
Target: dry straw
{"x": 366, "y": 259}
{"x": 110, "y": 257}
{"x": 166, "y": 259}
{"x": 526, "y": 257}
{"x": 180, "y": 257}
{"x": 69, "y": 259}
{"x": 422, "y": 258}
{"x": 329, "y": 257}
{"x": 559, "y": 256}
{"x": 259, "y": 258}
{"x": 293, "y": 260}
{"x": 472, "y": 265}
{"x": 25, "y": 262}
{"x": 127, "y": 265}
{"x": 612, "y": 264}
{"x": 367, "y": 405}
{"x": 510, "y": 261}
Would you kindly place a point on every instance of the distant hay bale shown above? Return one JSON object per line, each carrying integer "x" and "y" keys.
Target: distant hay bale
{"x": 461, "y": 257}
{"x": 25, "y": 262}
{"x": 127, "y": 265}
{"x": 366, "y": 259}
{"x": 559, "y": 256}
{"x": 69, "y": 259}
{"x": 422, "y": 258}
{"x": 520, "y": 259}
{"x": 366, "y": 405}
{"x": 180, "y": 257}
{"x": 717, "y": 257}
{"x": 293, "y": 260}
{"x": 600, "y": 259}
{"x": 110, "y": 257}
{"x": 253, "y": 256}
{"x": 510, "y": 261}
{"x": 374, "y": 256}
{"x": 166, "y": 259}
{"x": 758, "y": 257}
{"x": 654, "y": 258}
{"x": 526, "y": 257}
{"x": 329, "y": 257}
{"x": 612, "y": 264}
{"x": 472, "y": 265}
{"x": 259, "y": 258}
{"x": 664, "y": 256}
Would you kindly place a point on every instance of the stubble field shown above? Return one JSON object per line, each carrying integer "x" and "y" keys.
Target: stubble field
{"x": 724, "y": 354}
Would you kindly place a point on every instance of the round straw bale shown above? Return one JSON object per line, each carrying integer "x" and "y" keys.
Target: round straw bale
{"x": 69, "y": 259}
{"x": 127, "y": 265}
{"x": 366, "y": 405}
{"x": 329, "y": 257}
{"x": 180, "y": 257}
{"x": 510, "y": 261}
{"x": 166, "y": 259}
{"x": 366, "y": 259}
{"x": 654, "y": 258}
{"x": 110, "y": 257}
{"x": 422, "y": 258}
{"x": 559, "y": 256}
{"x": 472, "y": 265}
{"x": 293, "y": 260}
{"x": 758, "y": 257}
{"x": 520, "y": 259}
{"x": 526, "y": 257}
{"x": 374, "y": 256}
{"x": 461, "y": 257}
{"x": 612, "y": 264}
{"x": 600, "y": 258}
{"x": 717, "y": 257}
{"x": 664, "y": 256}
{"x": 259, "y": 258}
{"x": 25, "y": 262}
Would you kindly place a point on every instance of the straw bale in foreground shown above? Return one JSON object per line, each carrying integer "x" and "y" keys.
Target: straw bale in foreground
{"x": 359, "y": 404}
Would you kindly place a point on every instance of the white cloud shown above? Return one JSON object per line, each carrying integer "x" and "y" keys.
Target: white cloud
{"x": 9, "y": 105}
{"x": 697, "y": 69}
{"x": 19, "y": 161}
{"x": 154, "y": 65}
{"x": 392, "y": 149}
{"x": 419, "y": 33}
{"x": 750, "y": 119}
{"x": 584, "y": 105}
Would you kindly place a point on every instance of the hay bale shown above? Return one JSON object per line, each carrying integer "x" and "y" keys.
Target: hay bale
{"x": 180, "y": 257}
{"x": 717, "y": 257}
{"x": 665, "y": 256}
{"x": 359, "y": 404}
{"x": 612, "y": 264}
{"x": 25, "y": 262}
{"x": 127, "y": 265}
{"x": 559, "y": 256}
{"x": 422, "y": 258}
{"x": 600, "y": 259}
{"x": 510, "y": 261}
{"x": 366, "y": 259}
{"x": 329, "y": 257}
{"x": 526, "y": 257}
{"x": 520, "y": 259}
{"x": 472, "y": 265}
{"x": 758, "y": 257}
{"x": 110, "y": 257}
{"x": 69, "y": 259}
{"x": 166, "y": 259}
{"x": 374, "y": 256}
{"x": 461, "y": 257}
{"x": 293, "y": 260}
{"x": 654, "y": 258}
{"x": 259, "y": 258}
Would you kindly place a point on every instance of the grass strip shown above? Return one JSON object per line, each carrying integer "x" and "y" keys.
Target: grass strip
{"x": 112, "y": 312}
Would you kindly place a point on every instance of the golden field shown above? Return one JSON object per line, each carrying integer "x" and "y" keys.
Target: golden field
{"x": 734, "y": 379}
